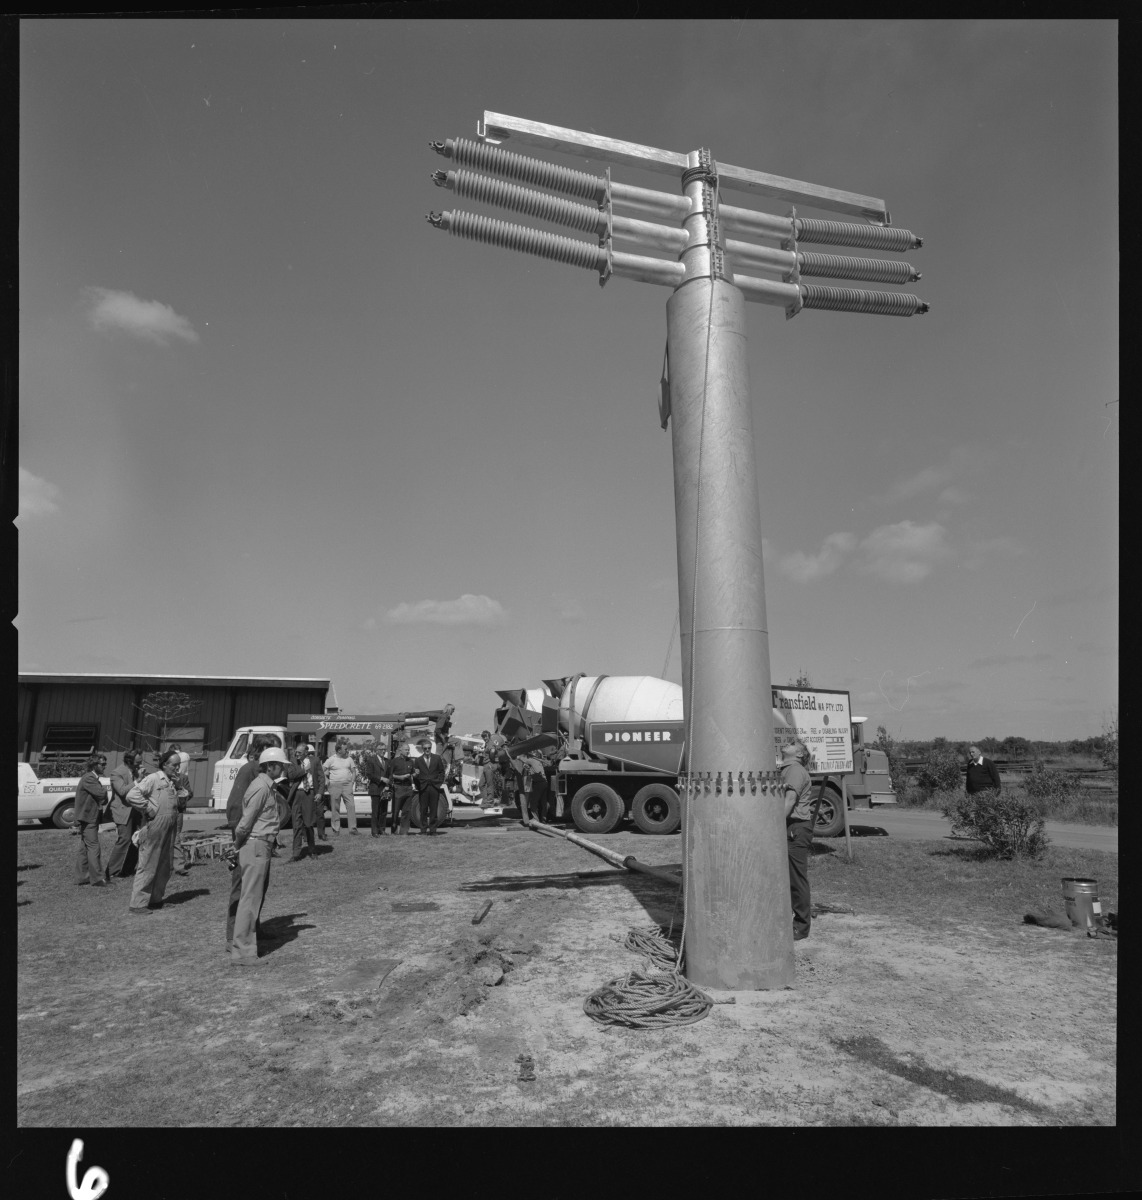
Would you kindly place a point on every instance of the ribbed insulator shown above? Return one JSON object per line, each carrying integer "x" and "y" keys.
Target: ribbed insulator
{"x": 841, "y": 233}
{"x": 891, "y": 304}
{"x": 524, "y": 200}
{"x": 881, "y": 270}
{"x": 520, "y": 237}
{"x": 483, "y": 157}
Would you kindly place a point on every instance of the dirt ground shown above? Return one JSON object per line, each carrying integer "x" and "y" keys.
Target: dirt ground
{"x": 363, "y": 1015}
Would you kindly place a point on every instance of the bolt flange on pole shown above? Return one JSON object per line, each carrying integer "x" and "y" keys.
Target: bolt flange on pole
{"x": 739, "y": 924}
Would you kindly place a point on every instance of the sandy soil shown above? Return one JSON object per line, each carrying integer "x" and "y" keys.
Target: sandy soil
{"x": 366, "y": 1015}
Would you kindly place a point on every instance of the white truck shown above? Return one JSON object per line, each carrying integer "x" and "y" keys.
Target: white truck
{"x": 323, "y": 731}
{"x": 620, "y": 741}
{"x": 49, "y": 801}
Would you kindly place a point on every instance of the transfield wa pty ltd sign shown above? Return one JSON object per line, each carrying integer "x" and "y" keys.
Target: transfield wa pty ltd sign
{"x": 819, "y": 719}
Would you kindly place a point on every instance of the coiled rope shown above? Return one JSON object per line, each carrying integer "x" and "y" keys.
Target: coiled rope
{"x": 649, "y": 999}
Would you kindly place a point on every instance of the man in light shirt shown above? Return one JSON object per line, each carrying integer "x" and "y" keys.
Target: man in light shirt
{"x": 340, "y": 775}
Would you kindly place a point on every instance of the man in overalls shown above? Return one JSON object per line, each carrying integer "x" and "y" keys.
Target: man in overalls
{"x": 256, "y": 838}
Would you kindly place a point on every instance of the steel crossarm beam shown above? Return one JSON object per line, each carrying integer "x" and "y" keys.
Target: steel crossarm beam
{"x": 500, "y": 127}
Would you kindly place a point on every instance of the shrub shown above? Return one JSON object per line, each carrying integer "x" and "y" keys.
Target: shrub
{"x": 1110, "y": 742}
{"x": 940, "y": 772}
{"x": 60, "y": 768}
{"x": 1051, "y": 787}
{"x": 1009, "y": 824}
{"x": 897, "y": 771}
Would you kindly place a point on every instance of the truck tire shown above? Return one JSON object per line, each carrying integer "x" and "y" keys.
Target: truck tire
{"x": 441, "y": 812}
{"x": 597, "y": 808}
{"x": 656, "y": 808}
{"x": 830, "y": 816}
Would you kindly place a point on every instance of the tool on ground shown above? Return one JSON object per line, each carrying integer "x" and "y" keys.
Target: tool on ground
{"x": 482, "y": 913}
{"x": 617, "y": 860}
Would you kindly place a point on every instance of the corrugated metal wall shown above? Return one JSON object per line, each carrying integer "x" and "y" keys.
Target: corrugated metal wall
{"x": 111, "y": 708}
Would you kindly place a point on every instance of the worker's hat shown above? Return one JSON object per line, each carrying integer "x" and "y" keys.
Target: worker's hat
{"x": 273, "y": 754}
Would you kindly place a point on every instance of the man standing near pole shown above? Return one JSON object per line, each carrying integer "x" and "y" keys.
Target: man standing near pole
{"x": 798, "y": 785}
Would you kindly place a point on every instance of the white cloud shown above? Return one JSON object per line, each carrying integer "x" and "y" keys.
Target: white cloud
{"x": 37, "y": 496}
{"x": 904, "y": 552}
{"x": 147, "y": 319}
{"x": 467, "y": 610}
{"x": 961, "y": 461}
{"x": 926, "y": 480}
{"x": 805, "y": 568}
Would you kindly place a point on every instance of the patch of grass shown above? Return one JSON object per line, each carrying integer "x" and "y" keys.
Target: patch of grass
{"x": 1086, "y": 806}
{"x": 933, "y": 882}
{"x": 963, "y": 1089}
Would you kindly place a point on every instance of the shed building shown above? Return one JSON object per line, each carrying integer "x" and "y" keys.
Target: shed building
{"x": 68, "y": 716}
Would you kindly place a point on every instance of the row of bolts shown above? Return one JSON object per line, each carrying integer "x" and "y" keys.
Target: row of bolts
{"x": 709, "y": 781}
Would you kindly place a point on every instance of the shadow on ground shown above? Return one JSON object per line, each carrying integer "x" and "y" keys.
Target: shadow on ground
{"x": 279, "y": 931}
{"x": 568, "y": 879}
{"x": 184, "y": 897}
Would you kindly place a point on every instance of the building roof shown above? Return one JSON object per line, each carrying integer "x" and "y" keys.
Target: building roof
{"x": 264, "y": 681}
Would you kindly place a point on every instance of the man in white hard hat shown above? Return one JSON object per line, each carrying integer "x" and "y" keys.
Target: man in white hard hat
{"x": 256, "y": 838}
{"x": 798, "y": 786}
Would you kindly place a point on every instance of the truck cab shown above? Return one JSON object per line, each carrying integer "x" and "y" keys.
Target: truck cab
{"x": 868, "y": 784}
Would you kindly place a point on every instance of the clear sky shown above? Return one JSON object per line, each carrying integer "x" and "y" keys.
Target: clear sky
{"x": 273, "y": 423}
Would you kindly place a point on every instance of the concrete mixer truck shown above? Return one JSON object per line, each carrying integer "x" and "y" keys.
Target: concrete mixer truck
{"x": 618, "y": 741}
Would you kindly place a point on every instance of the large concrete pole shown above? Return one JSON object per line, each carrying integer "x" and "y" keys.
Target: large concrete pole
{"x": 738, "y": 928}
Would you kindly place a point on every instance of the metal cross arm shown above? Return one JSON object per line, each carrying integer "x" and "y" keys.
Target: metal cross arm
{"x": 500, "y": 127}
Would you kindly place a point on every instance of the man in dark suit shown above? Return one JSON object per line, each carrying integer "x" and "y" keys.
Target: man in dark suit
{"x": 429, "y": 771}
{"x": 404, "y": 791}
{"x": 982, "y": 773}
{"x": 90, "y": 801}
{"x": 124, "y": 854}
{"x": 375, "y": 772}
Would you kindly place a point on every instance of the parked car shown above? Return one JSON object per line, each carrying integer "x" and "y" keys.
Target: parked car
{"x": 50, "y": 801}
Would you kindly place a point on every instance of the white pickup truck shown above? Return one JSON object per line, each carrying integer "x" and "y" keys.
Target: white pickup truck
{"x": 51, "y": 801}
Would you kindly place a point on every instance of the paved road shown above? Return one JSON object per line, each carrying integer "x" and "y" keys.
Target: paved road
{"x": 921, "y": 825}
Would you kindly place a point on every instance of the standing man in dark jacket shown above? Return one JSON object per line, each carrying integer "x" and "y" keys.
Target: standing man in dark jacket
{"x": 305, "y": 780}
{"x": 982, "y": 774}
{"x": 124, "y": 855}
{"x": 404, "y": 791}
{"x": 90, "y": 800}
{"x": 376, "y": 774}
{"x": 797, "y": 785}
{"x": 430, "y": 771}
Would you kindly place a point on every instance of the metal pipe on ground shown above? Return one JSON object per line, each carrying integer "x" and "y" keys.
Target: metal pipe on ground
{"x": 618, "y": 860}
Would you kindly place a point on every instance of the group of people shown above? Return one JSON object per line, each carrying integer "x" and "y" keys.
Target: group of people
{"x": 504, "y": 781}
{"x": 148, "y": 810}
{"x": 256, "y": 810}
